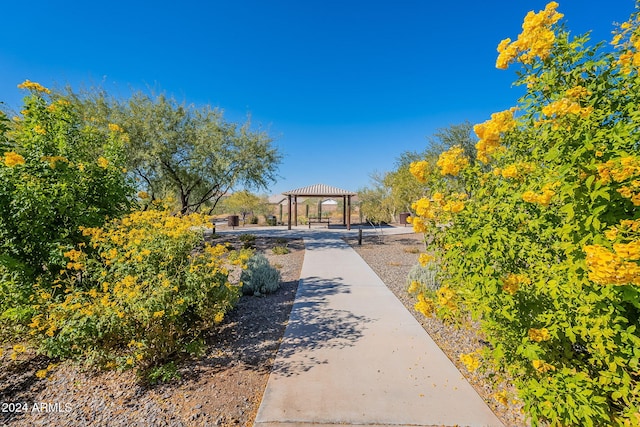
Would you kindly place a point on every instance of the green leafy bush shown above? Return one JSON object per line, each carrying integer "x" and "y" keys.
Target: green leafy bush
{"x": 280, "y": 250}
{"x": 143, "y": 290}
{"x": 540, "y": 238}
{"x": 248, "y": 240}
{"x": 259, "y": 277}
{"x": 57, "y": 173}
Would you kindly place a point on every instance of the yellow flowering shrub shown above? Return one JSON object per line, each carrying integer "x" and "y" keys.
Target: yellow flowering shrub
{"x": 535, "y": 41}
{"x": 46, "y": 193}
{"x": 545, "y": 250}
{"x": 419, "y": 170}
{"x": 143, "y": 289}
{"x": 489, "y": 134}
{"x": 452, "y": 161}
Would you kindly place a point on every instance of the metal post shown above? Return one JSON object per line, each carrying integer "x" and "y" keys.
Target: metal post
{"x": 360, "y": 236}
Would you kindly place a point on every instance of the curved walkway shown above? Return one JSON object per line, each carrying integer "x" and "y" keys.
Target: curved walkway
{"x": 353, "y": 355}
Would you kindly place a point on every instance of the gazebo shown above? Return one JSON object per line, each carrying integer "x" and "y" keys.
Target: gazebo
{"x": 321, "y": 190}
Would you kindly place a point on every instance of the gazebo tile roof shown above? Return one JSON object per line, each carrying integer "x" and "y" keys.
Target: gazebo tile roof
{"x": 319, "y": 190}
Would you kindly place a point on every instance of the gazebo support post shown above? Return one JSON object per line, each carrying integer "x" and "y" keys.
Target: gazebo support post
{"x": 295, "y": 211}
{"x": 348, "y": 212}
{"x": 289, "y": 217}
{"x": 344, "y": 210}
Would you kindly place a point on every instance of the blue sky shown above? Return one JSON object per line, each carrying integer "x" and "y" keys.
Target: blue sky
{"x": 343, "y": 87}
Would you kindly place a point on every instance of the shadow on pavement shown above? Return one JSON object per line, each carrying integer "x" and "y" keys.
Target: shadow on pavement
{"x": 314, "y": 326}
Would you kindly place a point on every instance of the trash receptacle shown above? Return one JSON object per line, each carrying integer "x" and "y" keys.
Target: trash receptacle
{"x": 403, "y": 217}
{"x": 233, "y": 221}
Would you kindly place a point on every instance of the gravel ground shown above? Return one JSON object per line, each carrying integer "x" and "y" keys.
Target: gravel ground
{"x": 391, "y": 257}
{"x": 225, "y": 386}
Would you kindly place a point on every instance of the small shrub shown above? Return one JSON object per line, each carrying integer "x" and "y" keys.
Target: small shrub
{"x": 412, "y": 250}
{"x": 426, "y": 276}
{"x": 259, "y": 277}
{"x": 248, "y": 240}
{"x": 164, "y": 374}
{"x": 142, "y": 290}
{"x": 253, "y": 220}
{"x": 280, "y": 250}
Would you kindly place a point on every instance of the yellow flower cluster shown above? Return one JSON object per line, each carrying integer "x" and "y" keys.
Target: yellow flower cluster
{"x": 489, "y": 134}
{"x": 539, "y": 335}
{"x": 566, "y": 106}
{"x": 470, "y": 360}
{"x": 501, "y": 397}
{"x": 75, "y": 258}
{"x": 52, "y": 160}
{"x": 627, "y": 228}
{"x": 447, "y": 298}
{"x": 620, "y": 170}
{"x": 515, "y": 170}
{"x": 420, "y": 170}
{"x": 452, "y": 161}
{"x": 542, "y": 366}
{"x": 419, "y": 226}
{"x": 577, "y": 92}
{"x": 630, "y": 57}
{"x": 614, "y": 268}
{"x": 430, "y": 209}
{"x": 12, "y": 158}
{"x": 103, "y": 163}
{"x": 140, "y": 226}
{"x": 57, "y": 105}
{"x": 425, "y": 306}
{"x": 39, "y": 130}
{"x": 414, "y": 287}
{"x": 424, "y": 208}
{"x": 115, "y": 128}
{"x": 543, "y": 198}
{"x": 33, "y": 86}
{"x": 535, "y": 40}
{"x": 425, "y": 259}
{"x": 512, "y": 283}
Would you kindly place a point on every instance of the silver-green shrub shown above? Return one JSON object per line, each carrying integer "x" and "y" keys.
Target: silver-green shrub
{"x": 259, "y": 277}
{"x": 427, "y": 276}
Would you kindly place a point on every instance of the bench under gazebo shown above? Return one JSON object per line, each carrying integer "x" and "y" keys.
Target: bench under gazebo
{"x": 320, "y": 190}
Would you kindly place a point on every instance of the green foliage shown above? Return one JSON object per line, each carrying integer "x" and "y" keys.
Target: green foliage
{"x": 143, "y": 290}
{"x": 57, "y": 173}
{"x": 540, "y": 238}
{"x": 248, "y": 240}
{"x": 189, "y": 153}
{"x": 259, "y": 277}
{"x": 376, "y": 204}
{"x": 163, "y": 374}
{"x": 280, "y": 250}
{"x": 271, "y": 220}
{"x": 245, "y": 203}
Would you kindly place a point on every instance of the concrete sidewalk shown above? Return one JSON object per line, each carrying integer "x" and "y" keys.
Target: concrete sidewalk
{"x": 353, "y": 355}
